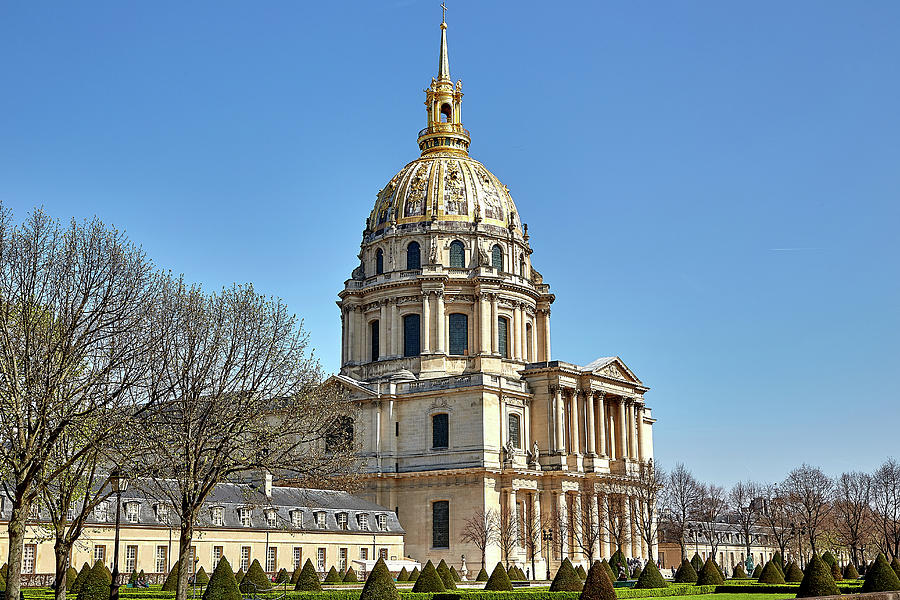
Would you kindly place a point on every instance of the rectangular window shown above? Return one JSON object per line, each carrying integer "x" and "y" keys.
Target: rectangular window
{"x": 29, "y": 558}
{"x": 246, "y": 514}
{"x": 459, "y": 334}
{"x": 440, "y": 435}
{"x": 382, "y": 522}
{"x": 440, "y": 524}
{"x": 132, "y": 512}
{"x": 218, "y": 516}
{"x": 320, "y": 520}
{"x": 342, "y": 559}
{"x": 271, "y": 518}
{"x": 503, "y": 336}
{"x": 271, "y": 559}
{"x": 342, "y": 520}
{"x": 382, "y": 553}
{"x": 363, "y": 521}
{"x": 298, "y": 557}
{"x": 363, "y": 553}
{"x": 100, "y": 511}
{"x": 100, "y": 554}
{"x": 297, "y": 518}
{"x": 162, "y": 513}
{"x": 373, "y": 328}
{"x": 411, "y": 335}
{"x": 320, "y": 559}
{"x": 245, "y": 558}
{"x": 514, "y": 431}
{"x": 130, "y": 559}
{"x": 218, "y": 551}
{"x": 162, "y": 559}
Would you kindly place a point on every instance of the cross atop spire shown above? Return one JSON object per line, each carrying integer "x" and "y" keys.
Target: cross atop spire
{"x": 443, "y": 13}
{"x": 444, "y": 61}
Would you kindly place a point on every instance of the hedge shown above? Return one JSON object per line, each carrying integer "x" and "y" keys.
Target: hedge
{"x": 499, "y": 580}
{"x": 566, "y": 579}
{"x": 332, "y": 577}
{"x": 79, "y": 579}
{"x": 850, "y": 572}
{"x": 201, "y": 578}
{"x": 771, "y": 574}
{"x": 350, "y": 575}
{"x": 685, "y": 573}
{"x": 710, "y": 574}
{"x": 696, "y": 562}
{"x": 255, "y": 580}
{"x": 96, "y": 584}
{"x": 403, "y": 575}
{"x": 379, "y": 585}
{"x": 597, "y": 584}
{"x": 446, "y": 576}
{"x": 880, "y": 577}
{"x": 817, "y": 581}
{"x": 171, "y": 582}
{"x": 793, "y": 573}
{"x": 222, "y": 584}
{"x": 650, "y": 578}
{"x": 308, "y": 580}
{"x": 482, "y": 575}
{"x": 429, "y": 580}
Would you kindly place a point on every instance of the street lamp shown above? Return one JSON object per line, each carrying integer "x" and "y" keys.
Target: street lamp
{"x": 547, "y": 537}
{"x": 119, "y": 484}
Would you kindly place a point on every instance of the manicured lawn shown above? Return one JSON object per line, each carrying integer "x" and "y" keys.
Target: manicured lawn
{"x": 734, "y": 597}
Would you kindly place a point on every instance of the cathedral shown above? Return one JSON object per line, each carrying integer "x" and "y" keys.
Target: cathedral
{"x": 446, "y": 352}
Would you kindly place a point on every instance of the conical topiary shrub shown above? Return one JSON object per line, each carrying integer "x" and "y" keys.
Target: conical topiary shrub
{"x": 171, "y": 582}
{"x": 850, "y": 572}
{"x": 255, "y": 580}
{"x": 296, "y": 574}
{"x": 619, "y": 565}
{"x": 566, "y": 579}
{"x": 201, "y": 578}
{"x": 779, "y": 561}
{"x": 709, "y": 574}
{"x": 511, "y": 574}
{"x": 455, "y": 574}
{"x": 499, "y": 580}
{"x": 609, "y": 570}
{"x": 446, "y": 578}
{"x": 829, "y": 559}
{"x": 79, "y": 579}
{"x": 598, "y": 585}
{"x": 582, "y": 574}
{"x": 71, "y": 576}
{"x": 132, "y": 578}
{"x": 635, "y": 572}
{"x": 379, "y": 584}
{"x": 650, "y": 578}
{"x": 836, "y": 573}
{"x": 817, "y": 581}
{"x": 685, "y": 573}
{"x": 739, "y": 572}
{"x": 880, "y": 577}
{"x": 239, "y": 576}
{"x": 771, "y": 574}
{"x": 332, "y": 576}
{"x": 283, "y": 576}
{"x": 96, "y": 584}
{"x": 696, "y": 562}
{"x": 482, "y": 575}
{"x": 308, "y": 580}
{"x": 350, "y": 575}
{"x": 757, "y": 572}
{"x": 895, "y": 565}
{"x": 403, "y": 575}
{"x": 793, "y": 574}
{"x": 429, "y": 580}
{"x": 414, "y": 574}
{"x": 222, "y": 585}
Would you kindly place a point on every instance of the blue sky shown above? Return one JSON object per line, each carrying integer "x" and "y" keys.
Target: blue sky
{"x": 711, "y": 187}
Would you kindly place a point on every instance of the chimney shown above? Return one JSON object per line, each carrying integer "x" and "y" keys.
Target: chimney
{"x": 261, "y": 480}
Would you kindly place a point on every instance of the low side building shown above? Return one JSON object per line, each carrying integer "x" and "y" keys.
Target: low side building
{"x": 730, "y": 550}
{"x": 279, "y": 526}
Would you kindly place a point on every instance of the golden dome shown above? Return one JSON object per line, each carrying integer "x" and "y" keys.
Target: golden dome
{"x": 444, "y": 187}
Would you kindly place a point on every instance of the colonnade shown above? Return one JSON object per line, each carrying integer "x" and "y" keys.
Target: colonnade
{"x": 595, "y": 423}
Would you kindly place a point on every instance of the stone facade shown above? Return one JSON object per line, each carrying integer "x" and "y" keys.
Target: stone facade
{"x": 446, "y": 350}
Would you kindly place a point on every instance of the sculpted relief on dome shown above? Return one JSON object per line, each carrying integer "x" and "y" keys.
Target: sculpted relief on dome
{"x": 418, "y": 191}
{"x": 454, "y": 190}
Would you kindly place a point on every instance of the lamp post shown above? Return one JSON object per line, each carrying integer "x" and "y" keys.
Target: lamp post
{"x": 547, "y": 538}
{"x": 119, "y": 484}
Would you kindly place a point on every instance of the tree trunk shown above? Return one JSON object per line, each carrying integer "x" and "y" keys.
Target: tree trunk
{"x": 16, "y": 533}
{"x": 61, "y": 549}
{"x": 184, "y": 556}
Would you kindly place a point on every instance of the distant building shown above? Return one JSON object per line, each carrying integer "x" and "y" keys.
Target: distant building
{"x": 279, "y": 526}
{"x": 731, "y": 549}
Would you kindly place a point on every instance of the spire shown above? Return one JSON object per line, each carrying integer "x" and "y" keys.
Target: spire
{"x": 444, "y": 62}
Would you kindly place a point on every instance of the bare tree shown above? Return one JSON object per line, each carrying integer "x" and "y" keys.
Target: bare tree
{"x": 559, "y": 524}
{"x": 809, "y": 492}
{"x": 236, "y": 390}
{"x": 681, "y": 496}
{"x": 585, "y": 525}
{"x": 776, "y": 516}
{"x": 616, "y": 523}
{"x": 744, "y": 498}
{"x": 481, "y": 530}
{"x": 534, "y": 530}
{"x": 648, "y": 487}
{"x": 710, "y": 509}
{"x": 886, "y": 502}
{"x": 852, "y": 510}
{"x": 507, "y": 533}
{"x": 73, "y": 335}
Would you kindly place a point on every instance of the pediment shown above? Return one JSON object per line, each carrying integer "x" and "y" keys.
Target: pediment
{"x": 352, "y": 386}
{"x": 612, "y": 367}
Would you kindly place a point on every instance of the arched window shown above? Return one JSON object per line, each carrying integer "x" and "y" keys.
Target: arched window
{"x": 459, "y": 334}
{"x": 457, "y": 254}
{"x": 440, "y": 431}
{"x": 528, "y": 342}
{"x": 379, "y": 262}
{"x": 440, "y": 524}
{"x": 446, "y": 113}
{"x": 373, "y": 327}
{"x": 413, "y": 256}
{"x": 497, "y": 257}
{"x": 503, "y": 336}
{"x": 411, "y": 335}
{"x": 515, "y": 430}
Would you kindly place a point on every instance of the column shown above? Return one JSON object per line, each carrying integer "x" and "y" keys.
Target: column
{"x": 626, "y": 514}
{"x": 639, "y": 411}
{"x": 594, "y": 519}
{"x": 560, "y": 420}
{"x": 495, "y": 348}
{"x": 475, "y": 337}
{"x": 512, "y": 511}
{"x": 546, "y": 327}
{"x": 396, "y": 350}
{"x": 632, "y": 445}
{"x": 601, "y": 420}
{"x": 515, "y": 340}
{"x": 348, "y": 335}
{"x": 537, "y": 522}
{"x": 574, "y": 423}
{"x": 563, "y": 529}
{"x": 485, "y": 325}
{"x": 590, "y": 424}
{"x": 622, "y": 447}
{"x": 602, "y": 516}
{"x": 577, "y": 521}
{"x": 426, "y": 322}
{"x": 360, "y": 341}
{"x": 440, "y": 318}
{"x": 383, "y": 330}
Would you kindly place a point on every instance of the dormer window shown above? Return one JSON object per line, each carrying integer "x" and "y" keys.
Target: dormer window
{"x": 342, "y": 520}
{"x": 320, "y": 519}
{"x": 245, "y": 513}
{"x": 162, "y": 513}
{"x": 271, "y": 517}
{"x": 382, "y": 522}
{"x": 100, "y": 511}
{"x": 297, "y": 518}
{"x": 132, "y": 512}
{"x": 363, "y": 521}
{"x": 35, "y": 511}
{"x": 218, "y": 516}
